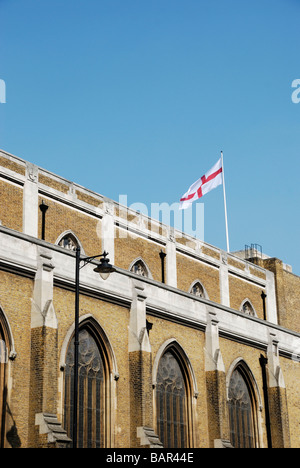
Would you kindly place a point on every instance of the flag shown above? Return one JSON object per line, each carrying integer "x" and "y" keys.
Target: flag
{"x": 205, "y": 184}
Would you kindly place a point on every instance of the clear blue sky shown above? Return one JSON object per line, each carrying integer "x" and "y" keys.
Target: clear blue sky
{"x": 139, "y": 97}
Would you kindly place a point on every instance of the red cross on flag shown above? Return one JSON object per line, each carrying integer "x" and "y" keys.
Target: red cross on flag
{"x": 205, "y": 184}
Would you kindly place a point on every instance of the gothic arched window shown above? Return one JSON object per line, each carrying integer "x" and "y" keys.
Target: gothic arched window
{"x": 197, "y": 289}
{"x": 248, "y": 309}
{"x": 3, "y": 387}
{"x": 241, "y": 404}
{"x": 92, "y": 391}
{"x": 172, "y": 403}
{"x": 69, "y": 242}
{"x": 139, "y": 268}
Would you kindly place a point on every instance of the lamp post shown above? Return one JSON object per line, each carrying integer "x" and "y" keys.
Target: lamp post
{"x": 104, "y": 269}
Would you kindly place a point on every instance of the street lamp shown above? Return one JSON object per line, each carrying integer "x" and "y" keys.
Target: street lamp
{"x": 104, "y": 269}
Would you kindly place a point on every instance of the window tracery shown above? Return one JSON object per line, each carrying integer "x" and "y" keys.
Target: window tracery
{"x": 241, "y": 414}
{"x": 139, "y": 268}
{"x": 197, "y": 289}
{"x": 171, "y": 403}
{"x": 91, "y": 392}
{"x": 68, "y": 242}
{"x": 248, "y": 309}
{"x": 3, "y": 390}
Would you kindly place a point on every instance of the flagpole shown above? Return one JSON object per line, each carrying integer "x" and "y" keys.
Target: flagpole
{"x": 225, "y": 206}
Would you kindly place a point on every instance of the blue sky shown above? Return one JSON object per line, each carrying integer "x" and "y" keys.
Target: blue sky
{"x": 139, "y": 97}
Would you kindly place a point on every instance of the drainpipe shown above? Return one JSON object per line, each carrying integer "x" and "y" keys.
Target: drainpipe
{"x": 162, "y": 258}
{"x": 263, "y": 362}
{"x": 43, "y": 208}
{"x": 263, "y": 296}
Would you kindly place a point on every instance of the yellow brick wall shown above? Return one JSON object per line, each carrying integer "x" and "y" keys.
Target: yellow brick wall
{"x": 239, "y": 290}
{"x": 192, "y": 341}
{"x": 129, "y": 248}
{"x": 11, "y": 205}
{"x": 12, "y": 164}
{"x": 16, "y": 294}
{"x": 287, "y": 294}
{"x": 189, "y": 270}
{"x": 258, "y": 273}
{"x": 292, "y": 300}
{"x": 15, "y": 301}
{"x": 61, "y": 218}
{"x": 291, "y": 374}
{"x": 235, "y": 263}
{"x": 231, "y": 351}
{"x": 90, "y": 199}
{"x": 114, "y": 320}
{"x": 211, "y": 253}
{"x": 53, "y": 183}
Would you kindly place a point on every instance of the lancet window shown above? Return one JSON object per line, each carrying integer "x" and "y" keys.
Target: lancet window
{"x": 172, "y": 402}
{"x": 92, "y": 392}
{"x": 248, "y": 309}
{"x": 241, "y": 404}
{"x": 3, "y": 385}
{"x": 197, "y": 289}
{"x": 139, "y": 268}
{"x": 69, "y": 242}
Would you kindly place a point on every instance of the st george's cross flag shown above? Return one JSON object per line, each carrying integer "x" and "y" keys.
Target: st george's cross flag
{"x": 205, "y": 184}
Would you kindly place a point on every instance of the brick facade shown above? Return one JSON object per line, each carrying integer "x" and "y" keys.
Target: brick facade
{"x": 136, "y": 320}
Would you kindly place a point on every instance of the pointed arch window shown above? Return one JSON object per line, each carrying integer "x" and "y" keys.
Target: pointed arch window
{"x": 248, "y": 308}
{"x": 139, "y": 268}
{"x": 3, "y": 384}
{"x": 172, "y": 402}
{"x": 241, "y": 404}
{"x": 197, "y": 289}
{"x": 93, "y": 411}
{"x": 68, "y": 241}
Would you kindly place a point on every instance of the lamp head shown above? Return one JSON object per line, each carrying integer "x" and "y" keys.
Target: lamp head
{"x": 104, "y": 268}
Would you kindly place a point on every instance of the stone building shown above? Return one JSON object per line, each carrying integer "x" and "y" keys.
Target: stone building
{"x": 184, "y": 345}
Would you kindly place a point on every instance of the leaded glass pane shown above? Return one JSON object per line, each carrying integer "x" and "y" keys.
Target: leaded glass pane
{"x": 90, "y": 392}
{"x": 197, "y": 290}
{"x": 171, "y": 403}
{"x": 139, "y": 268}
{"x": 240, "y": 412}
{"x": 68, "y": 242}
{"x": 3, "y": 360}
{"x": 248, "y": 309}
